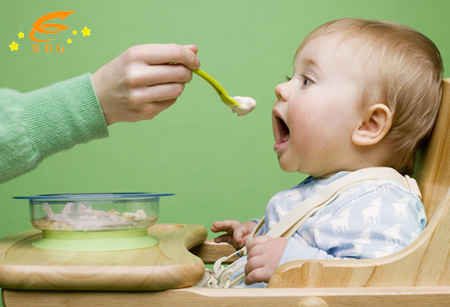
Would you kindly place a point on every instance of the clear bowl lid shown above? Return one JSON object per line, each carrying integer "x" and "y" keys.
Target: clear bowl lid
{"x": 79, "y": 196}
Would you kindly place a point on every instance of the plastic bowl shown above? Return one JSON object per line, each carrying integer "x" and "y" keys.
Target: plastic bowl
{"x": 94, "y": 211}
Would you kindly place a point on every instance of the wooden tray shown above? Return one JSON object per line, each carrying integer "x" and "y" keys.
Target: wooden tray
{"x": 167, "y": 265}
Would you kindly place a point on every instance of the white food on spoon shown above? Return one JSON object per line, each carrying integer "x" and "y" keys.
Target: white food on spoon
{"x": 248, "y": 104}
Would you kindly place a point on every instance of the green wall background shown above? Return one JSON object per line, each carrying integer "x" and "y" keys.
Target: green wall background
{"x": 220, "y": 166}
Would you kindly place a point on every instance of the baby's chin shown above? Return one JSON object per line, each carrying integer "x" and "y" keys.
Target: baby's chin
{"x": 286, "y": 165}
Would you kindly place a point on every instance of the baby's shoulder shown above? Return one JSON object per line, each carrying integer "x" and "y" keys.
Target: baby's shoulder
{"x": 381, "y": 194}
{"x": 378, "y": 188}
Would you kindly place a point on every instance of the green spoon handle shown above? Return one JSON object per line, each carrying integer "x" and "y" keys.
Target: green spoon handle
{"x": 219, "y": 89}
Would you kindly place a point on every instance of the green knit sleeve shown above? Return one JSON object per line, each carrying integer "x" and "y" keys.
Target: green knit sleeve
{"x": 37, "y": 124}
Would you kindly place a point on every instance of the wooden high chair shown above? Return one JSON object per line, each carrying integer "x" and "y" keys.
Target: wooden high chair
{"x": 418, "y": 275}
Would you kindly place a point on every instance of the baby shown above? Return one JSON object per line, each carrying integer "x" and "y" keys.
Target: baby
{"x": 363, "y": 94}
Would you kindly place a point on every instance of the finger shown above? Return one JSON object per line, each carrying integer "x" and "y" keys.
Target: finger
{"x": 145, "y": 111}
{"x": 165, "y": 53}
{"x": 239, "y": 242}
{"x": 243, "y": 239}
{"x": 144, "y": 75}
{"x": 152, "y": 109}
{"x": 238, "y": 233}
{"x": 253, "y": 263}
{"x": 219, "y": 239}
{"x": 155, "y": 94}
{"x": 256, "y": 241}
{"x": 225, "y": 225}
{"x": 217, "y": 226}
{"x": 239, "y": 237}
{"x": 255, "y": 276}
{"x": 223, "y": 238}
{"x": 193, "y": 48}
{"x": 255, "y": 250}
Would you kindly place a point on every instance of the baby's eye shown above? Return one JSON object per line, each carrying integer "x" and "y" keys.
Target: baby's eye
{"x": 288, "y": 78}
{"x": 306, "y": 81}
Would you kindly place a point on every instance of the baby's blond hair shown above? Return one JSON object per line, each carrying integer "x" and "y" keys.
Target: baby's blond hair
{"x": 403, "y": 69}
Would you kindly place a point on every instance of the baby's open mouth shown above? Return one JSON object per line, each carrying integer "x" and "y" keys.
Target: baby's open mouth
{"x": 282, "y": 132}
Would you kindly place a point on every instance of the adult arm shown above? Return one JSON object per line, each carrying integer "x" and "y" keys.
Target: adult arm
{"x": 37, "y": 124}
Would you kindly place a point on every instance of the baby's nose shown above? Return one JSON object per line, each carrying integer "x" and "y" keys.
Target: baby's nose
{"x": 281, "y": 91}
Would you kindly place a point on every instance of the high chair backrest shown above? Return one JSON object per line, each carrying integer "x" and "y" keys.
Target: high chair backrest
{"x": 434, "y": 172}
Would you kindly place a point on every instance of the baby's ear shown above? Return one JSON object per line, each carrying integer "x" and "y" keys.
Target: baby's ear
{"x": 375, "y": 124}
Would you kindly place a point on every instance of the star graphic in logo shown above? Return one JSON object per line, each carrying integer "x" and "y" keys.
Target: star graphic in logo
{"x": 20, "y": 35}
{"x": 86, "y": 31}
{"x": 69, "y": 41}
{"x": 74, "y": 32}
{"x": 14, "y": 46}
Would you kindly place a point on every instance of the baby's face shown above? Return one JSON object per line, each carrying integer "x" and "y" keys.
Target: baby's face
{"x": 318, "y": 108}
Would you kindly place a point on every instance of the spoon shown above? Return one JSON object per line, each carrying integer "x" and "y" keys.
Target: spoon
{"x": 230, "y": 102}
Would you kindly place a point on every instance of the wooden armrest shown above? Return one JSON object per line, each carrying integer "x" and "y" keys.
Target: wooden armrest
{"x": 209, "y": 251}
{"x": 322, "y": 273}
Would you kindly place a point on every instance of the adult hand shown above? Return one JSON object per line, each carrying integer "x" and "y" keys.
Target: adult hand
{"x": 144, "y": 80}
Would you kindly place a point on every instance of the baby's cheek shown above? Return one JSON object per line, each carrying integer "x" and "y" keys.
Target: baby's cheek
{"x": 303, "y": 136}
